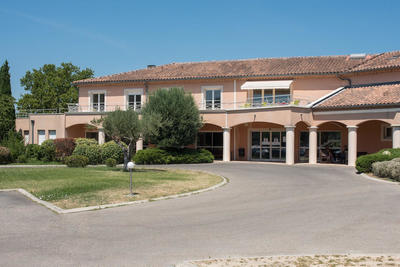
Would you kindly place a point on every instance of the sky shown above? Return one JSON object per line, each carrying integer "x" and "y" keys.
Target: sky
{"x": 118, "y": 36}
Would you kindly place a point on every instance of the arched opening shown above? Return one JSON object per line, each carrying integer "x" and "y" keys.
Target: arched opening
{"x": 301, "y": 142}
{"x": 83, "y": 131}
{"x": 258, "y": 141}
{"x": 210, "y": 137}
{"x": 332, "y": 142}
{"x": 372, "y": 136}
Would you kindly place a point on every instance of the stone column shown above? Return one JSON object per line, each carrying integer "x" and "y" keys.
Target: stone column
{"x": 396, "y": 135}
{"x": 312, "y": 145}
{"x": 290, "y": 144}
{"x": 352, "y": 145}
{"x": 227, "y": 144}
{"x": 102, "y": 136}
{"x": 139, "y": 144}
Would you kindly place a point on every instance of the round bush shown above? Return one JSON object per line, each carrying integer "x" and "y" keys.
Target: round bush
{"x": 47, "y": 151}
{"x": 5, "y": 156}
{"x": 151, "y": 156}
{"x": 22, "y": 159}
{"x": 64, "y": 147}
{"x": 32, "y": 151}
{"x": 85, "y": 141}
{"x": 111, "y": 162}
{"x": 112, "y": 150}
{"x": 364, "y": 163}
{"x": 92, "y": 152}
{"x": 76, "y": 161}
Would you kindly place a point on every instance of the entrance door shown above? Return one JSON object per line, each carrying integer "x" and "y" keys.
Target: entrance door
{"x": 268, "y": 145}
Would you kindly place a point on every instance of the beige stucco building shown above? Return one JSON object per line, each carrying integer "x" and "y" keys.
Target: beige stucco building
{"x": 300, "y": 109}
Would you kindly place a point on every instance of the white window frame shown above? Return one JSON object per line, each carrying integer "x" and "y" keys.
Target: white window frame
{"x": 38, "y": 136}
{"x": 204, "y": 89}
{"x": 133, "y": 91}
{"x": 26, "y": 137}
{"x": 383, "y": 131}
{"x": 93, "y": 92}
{"x": 55, "y": 136}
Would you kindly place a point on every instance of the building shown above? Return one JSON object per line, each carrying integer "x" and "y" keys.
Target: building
{"x": 300, "y": 109}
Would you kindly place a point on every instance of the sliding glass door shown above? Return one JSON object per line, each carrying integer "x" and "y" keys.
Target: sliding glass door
{"x": 268, "y": 145}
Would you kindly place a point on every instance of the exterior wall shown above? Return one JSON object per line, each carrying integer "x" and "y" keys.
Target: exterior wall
{"x": 370, "y": 137}
{"x": 377, "y": 77}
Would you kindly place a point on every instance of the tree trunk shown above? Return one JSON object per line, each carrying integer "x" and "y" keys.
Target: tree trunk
{"x": 126, "y": 159}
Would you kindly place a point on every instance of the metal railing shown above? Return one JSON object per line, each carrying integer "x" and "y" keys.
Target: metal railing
{"x": 255, "y": 102}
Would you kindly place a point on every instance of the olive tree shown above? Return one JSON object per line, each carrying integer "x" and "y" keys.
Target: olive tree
{"x": 171, "y": 119}
{"x": 124, "y": 128}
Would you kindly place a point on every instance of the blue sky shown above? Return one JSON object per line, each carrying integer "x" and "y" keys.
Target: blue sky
{"x": 118, "y": 36}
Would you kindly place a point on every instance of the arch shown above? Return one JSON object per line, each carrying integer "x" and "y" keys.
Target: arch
{"x": 372, "y": 136}
{"x": 331, "y": 123}
{"x": 209, "y": 127}
{"x": 79, "y": 130}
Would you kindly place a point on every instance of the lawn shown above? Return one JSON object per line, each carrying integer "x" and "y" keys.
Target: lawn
{"x": 81, "y": 187}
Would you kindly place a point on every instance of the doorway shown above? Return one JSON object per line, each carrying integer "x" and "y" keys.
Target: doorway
{"x": 268, "y": 145}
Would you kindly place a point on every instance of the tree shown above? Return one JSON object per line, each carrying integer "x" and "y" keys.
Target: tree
{"x": 7, "y": 109}
{"x": 5, "y": 82}
{"x": 171, "y": 119}
{"x": 50, "y": 87}
{"x": 124, "y": 128}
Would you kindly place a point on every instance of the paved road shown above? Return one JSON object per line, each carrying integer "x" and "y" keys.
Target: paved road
{"x": 266, "y": 209}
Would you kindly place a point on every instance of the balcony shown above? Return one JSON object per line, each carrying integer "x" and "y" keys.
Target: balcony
{"x": 76, "y": 108}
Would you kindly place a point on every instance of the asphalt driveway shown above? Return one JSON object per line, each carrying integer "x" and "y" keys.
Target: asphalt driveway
{"x": 266, "y": 209}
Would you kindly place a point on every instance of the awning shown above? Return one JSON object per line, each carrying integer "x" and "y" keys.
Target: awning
{"x": 281, "y": 84}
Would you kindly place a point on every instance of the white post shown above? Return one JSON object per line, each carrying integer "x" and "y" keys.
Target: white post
{"x": 352, "y": 145}
{"x": 312, "y": 145}
{"x": 227, "y": 145}
{"x": 290, "y": 144}
{"x": 139, "y": 144}
{"x": 396, "y": 135}
{"x": 102, "y": 137}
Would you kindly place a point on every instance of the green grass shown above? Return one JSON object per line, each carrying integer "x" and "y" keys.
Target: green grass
{"x": 77, "y": 187}
{"x": 37, "y": 162}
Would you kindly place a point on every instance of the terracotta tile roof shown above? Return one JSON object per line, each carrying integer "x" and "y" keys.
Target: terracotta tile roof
{"x": 383, "y": 94}
{"x": 386, "y": 60}
{"x": 237, "y": 68}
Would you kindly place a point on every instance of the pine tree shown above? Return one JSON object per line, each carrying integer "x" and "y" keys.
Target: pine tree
{"x": 5, "y": 83}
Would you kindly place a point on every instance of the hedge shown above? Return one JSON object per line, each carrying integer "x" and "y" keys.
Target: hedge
{"x": 162, "y": 156}
{"x": 32, "y": 151}
{"x": 111, "y": 162}
{"x": 5, "y": 155}
{"x": 92, "y": 152}
{"x": 85, "y": 141}
{"x": 387, "y": 169}
{"x": 64, "y": 147}
{"x": 76, "y": 161}
{"x": 364, "y": 163}
{"x": 112, "y": 150}
{"x": 47, "y": 151}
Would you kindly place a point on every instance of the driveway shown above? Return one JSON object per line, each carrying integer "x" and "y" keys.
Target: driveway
{"x": 266, "y": 209}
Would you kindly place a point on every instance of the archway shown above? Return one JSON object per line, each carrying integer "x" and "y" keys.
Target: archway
{"x": 332, "y": 142}
{"x": 210, "y": 137}
{"x": 301, "y": 142}
{"x": 82, "y": 131}
{"x": 372, "y": 136}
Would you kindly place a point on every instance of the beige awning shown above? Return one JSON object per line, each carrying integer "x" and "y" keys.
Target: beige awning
{"x": 280, "y": 84}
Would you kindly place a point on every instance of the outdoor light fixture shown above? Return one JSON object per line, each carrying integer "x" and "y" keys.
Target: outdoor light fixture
{"x": 130, "y": 166}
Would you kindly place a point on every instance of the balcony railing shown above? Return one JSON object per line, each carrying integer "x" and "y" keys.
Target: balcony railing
{"x": 255, "y": 102}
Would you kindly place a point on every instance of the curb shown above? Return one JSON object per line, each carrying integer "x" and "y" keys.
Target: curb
{"x": 378, "y": 180}
{"x": 105, "y": 206}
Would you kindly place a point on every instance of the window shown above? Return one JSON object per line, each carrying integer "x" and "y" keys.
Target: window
{"x": 212, "y": 97}
{"x": 52, "y": 134}
{"x": 386, "y": 133}
{"x": 134, "y": 101}
{"x": 92, "y": 135}
{"x": 212, "y": 141}
{"x": 98, "y": 102}
{"x": 263, "y": 97}
{"x": 41, "y": 136}
{"x": 329, "y": 147}
{"x": 26, "y": 137}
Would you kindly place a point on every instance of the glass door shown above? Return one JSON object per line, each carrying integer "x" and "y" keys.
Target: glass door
{"x": 265, "y": 145}
{"x": 268, "y": 145}
{"x": 255, "y": 145}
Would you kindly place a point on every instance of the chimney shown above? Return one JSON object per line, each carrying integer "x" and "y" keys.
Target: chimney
{"x": 151, "y": 66}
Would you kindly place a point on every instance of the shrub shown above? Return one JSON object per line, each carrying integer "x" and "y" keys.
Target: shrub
{"x": 387, "y": 169}
{"x": 395, "y": 170}
{"x": 22, "y": 159}
{"x": 92, "y": 152}
{"x": 5, "y": 155}
{"x": 364, "y": 163}
{"x": 64, "y": 147}
{"x": 85, "y": 141}
{"x": 111, "y": 162}
{"x": 76, "y": 161}
{"x": 47, "y": 151}
{"x": 15, "y": 143}
{"x": 32, "y": 151}
{"x": 161, "y": 156}
{"x": 112, "y": 150}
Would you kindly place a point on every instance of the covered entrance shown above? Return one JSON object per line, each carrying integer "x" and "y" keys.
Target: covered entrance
{"x": 268, "y": 145}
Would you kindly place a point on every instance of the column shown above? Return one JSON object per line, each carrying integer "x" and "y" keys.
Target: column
{"x": 312, "y": 145}
{"x": 352, "y": 145}
{"x": 139, "y": 144}
{"x": 396, "y": 135}
{"x": 227, "y": 144}
{"x": 290, "y": 144}
{"x": 102, "y": 136}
